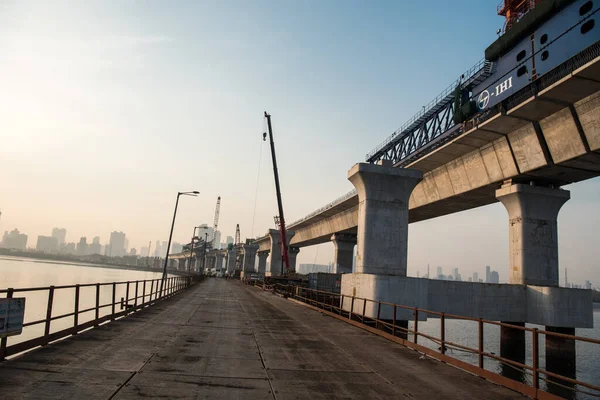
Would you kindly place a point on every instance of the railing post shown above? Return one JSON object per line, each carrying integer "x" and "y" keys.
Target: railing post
{"x": 378, "y": 313}
{"x": 4, "y": 340}
{"x": 97, "y": 304}
{"x": 151, "y": 289}
{"x": 127, "y": 297}
{"x": 135, "y": 303}
{"x": 114, "y": 293}
{"x": 480, "y": 343}
{"x": 394, "y": 322}
{"x": 415, "y": 335}
{"x": 341, "y": 304}
{"x": 49, "y": 312}
{"x": 536, "y": 359}
{"x": 443, "y": 333}
{"x": 364, "y": 310}
{"x": 76, "y": 310}
{"x": 144, "y": 293}
{"x": 351, "y": 308}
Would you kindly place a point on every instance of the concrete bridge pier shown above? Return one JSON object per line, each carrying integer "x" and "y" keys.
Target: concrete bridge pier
{"x": 276, "y": 261}
{"x": 561, "y": 359}
{"x": 230, "y": 261}
{"x": 381, "y": 252}
{"x": 533, "y": 249}
{"x": 292, "y": 255}
{"x": 343, "y": 244}
{"x": 219, "y": 260}
{"x": 512, "y": 346}
{"x": 249, "y": 259}
{"x": 262, "y": 262}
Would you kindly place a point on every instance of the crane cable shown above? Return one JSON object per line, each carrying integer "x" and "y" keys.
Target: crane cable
{"x": 256, "y": 191}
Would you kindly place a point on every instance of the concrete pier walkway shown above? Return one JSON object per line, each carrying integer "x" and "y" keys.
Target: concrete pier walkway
{"x": 224, "y": 340}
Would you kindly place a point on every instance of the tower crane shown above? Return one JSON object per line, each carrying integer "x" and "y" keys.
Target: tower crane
{"x": 237, "y": 234}
{"x": 216, "y": 222}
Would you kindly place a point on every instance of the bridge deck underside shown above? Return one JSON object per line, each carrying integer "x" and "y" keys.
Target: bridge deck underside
{"x": 224, "y": 340}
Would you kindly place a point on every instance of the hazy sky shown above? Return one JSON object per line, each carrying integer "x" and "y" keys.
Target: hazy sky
{"x": 108, "y": 108}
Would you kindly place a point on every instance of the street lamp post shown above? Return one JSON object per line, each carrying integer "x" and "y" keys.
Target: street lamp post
{"x": 162, "y": 282}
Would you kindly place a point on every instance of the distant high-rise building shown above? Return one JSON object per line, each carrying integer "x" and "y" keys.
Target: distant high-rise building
{"x": 95, "y": 247}
{"x": 439, "y": 272}
{"x": 47, "y": 244}
{"x": 126, "y": 244}
{"x": 157, "y": 249}
{"x": 117, "y": 244}
{"x": 164, "y": 248}
{"x": 229, "y": 240}
{"x": 133, "y": 252}
{"x": 588, "y": 284}
{"x": 205, "y": 229}
{"x": 14, "y": 240}
{"x": 487, "y": 273}
{"x": 475, "y": 277}
{"x": 60, "y": 234}
{"x": 69, "y": 248}
{"x": 456, "y": 275}
{"x": 494, "y": 277}
{"x": 82, "y": 246}
{"x": 144, "y": 251}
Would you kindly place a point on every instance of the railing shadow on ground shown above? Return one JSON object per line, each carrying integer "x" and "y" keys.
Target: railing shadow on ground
{"x": 136, "y": 295}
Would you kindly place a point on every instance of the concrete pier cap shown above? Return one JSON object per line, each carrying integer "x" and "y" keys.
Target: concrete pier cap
{"x": 382, "y": 240}
{"x": 383, "y": 195}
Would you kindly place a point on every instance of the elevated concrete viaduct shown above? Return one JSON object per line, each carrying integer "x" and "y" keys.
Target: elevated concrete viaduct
{"x": 520, "y": 157}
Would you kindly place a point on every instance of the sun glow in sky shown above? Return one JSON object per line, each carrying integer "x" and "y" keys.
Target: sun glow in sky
{"x": 107, "y": 109}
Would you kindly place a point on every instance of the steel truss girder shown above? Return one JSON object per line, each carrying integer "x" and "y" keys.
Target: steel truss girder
{"x": 424, "y": 133}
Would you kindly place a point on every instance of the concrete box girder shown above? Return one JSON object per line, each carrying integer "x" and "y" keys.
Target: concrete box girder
{"x": 588, "y": 111}
{"x": 452, "y": 187}
{"x": 502, "y": 124}
{"x": 535, "y": 109}
{"x": 562, "y": 136}
{"x": 383, "y": 194}
{"x": 570, "y": 89}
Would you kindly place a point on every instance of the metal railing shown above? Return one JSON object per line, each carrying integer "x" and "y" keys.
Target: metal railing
{"x": 425, "y": 109}
{"x": 146, "y": 293}
{"x": 354, "y": 310}
{"x": 329, "y": 205}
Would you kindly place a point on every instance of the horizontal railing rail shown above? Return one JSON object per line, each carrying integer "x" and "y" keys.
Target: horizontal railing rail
{"x": 145, "y": 293}
{"x": 354, "y": 309}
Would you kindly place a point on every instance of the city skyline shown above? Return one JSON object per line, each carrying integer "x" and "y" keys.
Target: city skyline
{"x": 127, "y": 150}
